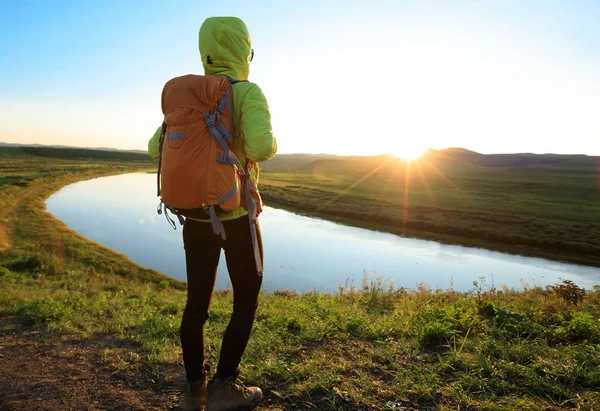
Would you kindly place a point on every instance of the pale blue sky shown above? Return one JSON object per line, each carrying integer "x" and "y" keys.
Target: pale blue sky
{"x": 395, "y": 76}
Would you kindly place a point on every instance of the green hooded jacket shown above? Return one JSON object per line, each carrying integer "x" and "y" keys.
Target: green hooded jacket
{"x": 226, "y": 49}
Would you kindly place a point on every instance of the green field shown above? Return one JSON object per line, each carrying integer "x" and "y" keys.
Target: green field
{"x": 547, "y": 206}
{"x": 73, "y": 304}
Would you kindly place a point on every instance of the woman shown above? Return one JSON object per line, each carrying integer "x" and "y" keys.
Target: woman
{"x": 225, "y": 49}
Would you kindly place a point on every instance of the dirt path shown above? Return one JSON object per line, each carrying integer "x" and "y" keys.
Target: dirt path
{"x": 41, "y": 371}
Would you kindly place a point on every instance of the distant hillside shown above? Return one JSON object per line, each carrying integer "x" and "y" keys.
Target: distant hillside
{"x": 72, "y": 153}
{"x": 564, "y": 161}
{"x": 3, "y": 144}
{"x": 11, "y": 151}
{"x": 295, "y": 161}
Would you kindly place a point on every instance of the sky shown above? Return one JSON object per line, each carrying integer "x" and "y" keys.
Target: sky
{"x": 341, "y": 77}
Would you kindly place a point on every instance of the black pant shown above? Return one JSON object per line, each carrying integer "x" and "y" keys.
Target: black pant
{"x": 202, "y": 252}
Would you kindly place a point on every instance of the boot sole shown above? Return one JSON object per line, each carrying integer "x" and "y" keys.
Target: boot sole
{"x": 250, "y": 408}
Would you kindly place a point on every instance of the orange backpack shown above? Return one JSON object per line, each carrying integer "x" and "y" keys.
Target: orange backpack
{"x": 199, "y": 176}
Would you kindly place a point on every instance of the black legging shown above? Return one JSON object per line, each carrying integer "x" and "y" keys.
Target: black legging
{"x": 202, "y": 252}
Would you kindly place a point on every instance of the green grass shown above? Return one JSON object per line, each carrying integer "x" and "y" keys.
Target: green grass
{"x": 366, "y": 346}
{"x": 540, "y": 211}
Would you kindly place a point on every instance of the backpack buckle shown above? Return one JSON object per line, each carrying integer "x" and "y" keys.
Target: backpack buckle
{"x": 209, "y": 120}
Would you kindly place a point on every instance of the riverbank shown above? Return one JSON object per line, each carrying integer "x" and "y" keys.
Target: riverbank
{"x": 83, "y": 327}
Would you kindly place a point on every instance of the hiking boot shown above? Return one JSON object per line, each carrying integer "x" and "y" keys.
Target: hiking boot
{"x": 195, "y": 396}
{"x": 195, "y": 393}
{"x": 226, "y": 395}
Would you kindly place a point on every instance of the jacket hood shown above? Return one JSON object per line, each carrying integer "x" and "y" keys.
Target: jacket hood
{"x": 225, "y": 47}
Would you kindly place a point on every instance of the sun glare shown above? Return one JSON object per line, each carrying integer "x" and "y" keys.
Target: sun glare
{"x": 409, "y": 153}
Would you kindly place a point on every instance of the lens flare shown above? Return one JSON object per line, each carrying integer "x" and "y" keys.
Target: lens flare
{"x": 409, "y": 152}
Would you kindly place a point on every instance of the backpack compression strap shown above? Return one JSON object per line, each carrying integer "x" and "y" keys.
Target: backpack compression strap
{"x": 253, "y": 218}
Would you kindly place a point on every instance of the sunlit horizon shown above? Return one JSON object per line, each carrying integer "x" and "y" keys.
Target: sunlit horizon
{"x": 408, "y": 156}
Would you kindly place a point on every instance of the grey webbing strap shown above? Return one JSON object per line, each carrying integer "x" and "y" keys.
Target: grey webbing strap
{"x": 227, "y": 99}
{"x": 219, "y": 138}
{"x": 253, "y": 232}
{"x": 214, "y": 132}
{"x": 223, "y": 103}
{"x": 219, "y": 126}
{"x": 230, "y": 194}
{"x": 169, "y": 219}
{"x": 161, "y": 139}
{"x": 251, "y": 184}
{"x": 253, "y": 218}
{"x": 228, "y": 104}
{"x": 222, "y": 158}
{"x": 224, "y": 131}
{"x": 167, "y": 208}
{"x": 217, "y": 225}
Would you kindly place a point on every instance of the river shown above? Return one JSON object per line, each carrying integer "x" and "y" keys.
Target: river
{"x": 301, "y": 253}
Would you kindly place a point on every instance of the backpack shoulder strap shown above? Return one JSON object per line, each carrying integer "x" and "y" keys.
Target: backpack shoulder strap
{"x": 234, "y": 80}
{"x": 229, "y": 100}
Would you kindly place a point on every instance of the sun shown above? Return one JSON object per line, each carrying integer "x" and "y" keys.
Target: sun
{"x": 409, "y": 152}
